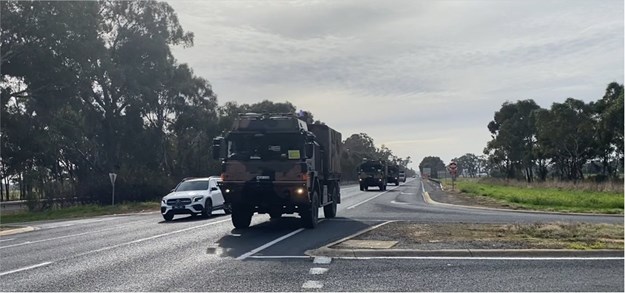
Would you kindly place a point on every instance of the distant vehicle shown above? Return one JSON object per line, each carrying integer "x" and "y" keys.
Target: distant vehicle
{"x": 393, "y": 174}
{"x": 402, "y": 176}
{"x": 278, "y": 164}
{"x": 373, "y": 173}
{"x": 194, "y": 196}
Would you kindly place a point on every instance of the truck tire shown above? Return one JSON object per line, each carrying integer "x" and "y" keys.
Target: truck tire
{"x": 366, "y": 187}
{"x": 329, "y": 211}
{"x": 396, "y": 183}
{"x": 310, "y": 214}
{"x": 362, "y": 187}
{"x": 241, "y": 216}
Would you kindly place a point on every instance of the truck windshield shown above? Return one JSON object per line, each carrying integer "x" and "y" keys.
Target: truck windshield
{"x": 272, "y": 146}
{"x": 371, "y": 168}
{"x": 193, "y": 185}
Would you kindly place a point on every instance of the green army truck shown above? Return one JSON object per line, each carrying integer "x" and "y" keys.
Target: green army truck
{"x": 393, "y": 174}
{"x": 372, "y": 173}
{"x": 277, "y": 164}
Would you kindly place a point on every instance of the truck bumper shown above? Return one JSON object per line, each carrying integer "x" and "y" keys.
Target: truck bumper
{"x": 371, "y": 181}
{"x": 265, "y": 194}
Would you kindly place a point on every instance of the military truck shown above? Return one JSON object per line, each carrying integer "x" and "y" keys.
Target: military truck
{"x": 277, "y": 164}
{"x": 373, "y": 173}
{"x": 393, "y": 174}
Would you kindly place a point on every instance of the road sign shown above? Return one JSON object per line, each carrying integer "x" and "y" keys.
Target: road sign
{"x": 113, "y": 176}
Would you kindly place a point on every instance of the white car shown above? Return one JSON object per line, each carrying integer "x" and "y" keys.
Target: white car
{"x": 195, "y": 196}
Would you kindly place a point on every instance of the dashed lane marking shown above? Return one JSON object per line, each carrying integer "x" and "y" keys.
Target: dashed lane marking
{"x": 25, "y": 268}
{"x": 318, "y": 271}
{"x": 312, "y": 285}
{"x": 324, "y": 260}
{"x": 371, "y": 198}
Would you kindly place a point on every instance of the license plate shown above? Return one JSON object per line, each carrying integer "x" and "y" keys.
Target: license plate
{"x": 178, "y": 207}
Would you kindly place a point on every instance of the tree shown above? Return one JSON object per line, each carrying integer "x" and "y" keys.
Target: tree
{"x": 513, "y": 131}
{"x": 434, "y": 163}
{"x": 566, "y": 133}
{"x": 468, "y": 164}
{"x": 608, "y": 114}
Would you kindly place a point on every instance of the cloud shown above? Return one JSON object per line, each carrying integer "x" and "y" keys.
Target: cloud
{"x": 413, "y": 72}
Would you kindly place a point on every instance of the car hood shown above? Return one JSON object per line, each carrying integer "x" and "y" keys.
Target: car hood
{"x": 186, "y": 194}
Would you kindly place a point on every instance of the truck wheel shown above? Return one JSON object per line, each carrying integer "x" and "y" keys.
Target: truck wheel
{"x": 310, "y": 214}
{"x": 241, "y": 216}
{"x": 168, "y": 216}
{"x": 397, "y": 183}
{"x": 207, "y": 211}
{"x": 362, "y": 188}
{"x": 366, "y": 188}
{"x": 329, "y": 211}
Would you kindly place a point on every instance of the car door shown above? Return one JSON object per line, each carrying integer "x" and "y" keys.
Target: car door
{"x": 215, "y": 192}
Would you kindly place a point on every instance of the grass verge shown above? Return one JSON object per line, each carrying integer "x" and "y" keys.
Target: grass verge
{"x": 556, "y": 235}
{"x": 543, "y": 198}
{"x": 78, "y": 212}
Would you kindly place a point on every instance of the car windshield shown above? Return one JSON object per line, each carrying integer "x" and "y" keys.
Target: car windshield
{"x": 193, "y": 185}
{"x": 283, "y": 146}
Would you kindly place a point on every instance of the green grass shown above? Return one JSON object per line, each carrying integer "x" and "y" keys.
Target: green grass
{"x": 547, "y": 199}
{"x": 78, "y": 212}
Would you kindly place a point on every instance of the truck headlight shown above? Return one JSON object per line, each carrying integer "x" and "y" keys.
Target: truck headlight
{"x": 299, "y": 190}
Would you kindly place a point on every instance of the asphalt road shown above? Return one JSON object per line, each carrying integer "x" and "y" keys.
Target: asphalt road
{"x": 141, "y": 252}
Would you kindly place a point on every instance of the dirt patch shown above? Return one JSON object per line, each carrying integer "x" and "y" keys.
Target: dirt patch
{"x": 498, "y": 236}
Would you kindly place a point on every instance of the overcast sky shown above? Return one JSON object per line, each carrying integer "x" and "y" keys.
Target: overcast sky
{"x": 422, "y": 77}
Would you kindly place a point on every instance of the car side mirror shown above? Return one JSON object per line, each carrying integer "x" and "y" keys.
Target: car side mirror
{"x": 310, "y": 147}
{"x": 172, "y": 190}
{"x": 214, "y": 188}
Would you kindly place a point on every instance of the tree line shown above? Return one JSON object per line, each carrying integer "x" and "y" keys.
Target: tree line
{"x": 570, "y": 141}
{"x": 91, "y": 87}
{"x": 563, "y": 142}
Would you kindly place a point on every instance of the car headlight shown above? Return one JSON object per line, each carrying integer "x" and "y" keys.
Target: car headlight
{"x": 196, "y": 199}
{"x": 164, "y": 200}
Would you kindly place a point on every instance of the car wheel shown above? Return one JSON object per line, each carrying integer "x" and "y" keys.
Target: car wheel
{"x": 207, "y": 211}
{"x": 168, "y": 216}
{"x": 241, "y": 216}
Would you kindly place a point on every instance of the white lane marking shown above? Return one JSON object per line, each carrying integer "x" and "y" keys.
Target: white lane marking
{"x": 324, "y": 260}
{"x": 312, "y": 285}
{"x": 318, "y": 271}
{"x": 150, "y": 238}
{"x": 55, "y": 238}
{"x": 474, "y": 258}
{"x": 280, "y": 256}
{"x": 399, "y": 202}
{"x": 258, "y": 249}
{"x": 7, "y": 239}
{"x": 26, "y": 268}
{"x": 364, "y": 201}
{"x": 72, "y": 235}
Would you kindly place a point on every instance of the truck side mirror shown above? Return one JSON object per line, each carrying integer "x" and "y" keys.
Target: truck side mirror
{"x": 310, "y": 147}
{"x": 217, "y": 147}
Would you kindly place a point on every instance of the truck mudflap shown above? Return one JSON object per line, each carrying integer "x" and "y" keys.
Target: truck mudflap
{"x": 265, "y": 193}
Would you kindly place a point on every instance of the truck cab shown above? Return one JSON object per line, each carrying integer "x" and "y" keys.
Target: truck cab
{"x": 372, "y": 173}
{"x": 277, "y": 164}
